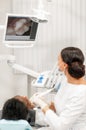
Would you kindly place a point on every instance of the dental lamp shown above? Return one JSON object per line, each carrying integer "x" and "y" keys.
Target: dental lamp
{"x": 40, "y": 13}
{"x": 40, "y": 16}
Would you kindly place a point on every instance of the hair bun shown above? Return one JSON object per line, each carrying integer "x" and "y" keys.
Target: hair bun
{"x": 76, "y": 69}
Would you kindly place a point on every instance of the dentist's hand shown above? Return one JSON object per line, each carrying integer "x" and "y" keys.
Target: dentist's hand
{"x": 38, "y": 101}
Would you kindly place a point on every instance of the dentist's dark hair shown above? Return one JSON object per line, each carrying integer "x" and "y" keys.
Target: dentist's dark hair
{"x": 74, "y": 58}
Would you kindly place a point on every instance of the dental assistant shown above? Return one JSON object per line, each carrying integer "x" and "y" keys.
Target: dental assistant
{"x": 70, "y": 100}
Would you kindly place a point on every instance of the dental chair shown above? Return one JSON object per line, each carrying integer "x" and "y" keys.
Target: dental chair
{"x": 14, "y": 125}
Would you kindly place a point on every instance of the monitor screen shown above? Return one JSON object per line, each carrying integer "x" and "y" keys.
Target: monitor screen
{"x": 20, "y": 29}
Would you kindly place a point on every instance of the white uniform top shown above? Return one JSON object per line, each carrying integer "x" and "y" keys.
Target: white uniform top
{"x": 70, "y": 104}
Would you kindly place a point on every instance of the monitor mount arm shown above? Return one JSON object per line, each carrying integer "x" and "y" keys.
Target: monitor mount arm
{"x": 11, "y": 60}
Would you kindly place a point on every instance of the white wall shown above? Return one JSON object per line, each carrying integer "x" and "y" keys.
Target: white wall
{"x": 5, "y": 72}
{"x": 10, "y": 84}
{"x": 66, "y": 27}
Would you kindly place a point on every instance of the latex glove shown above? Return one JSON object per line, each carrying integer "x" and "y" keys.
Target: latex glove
{"x": 38, "y": 101}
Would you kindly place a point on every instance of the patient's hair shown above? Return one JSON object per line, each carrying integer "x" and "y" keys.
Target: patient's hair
{"x": 14, "y": 109}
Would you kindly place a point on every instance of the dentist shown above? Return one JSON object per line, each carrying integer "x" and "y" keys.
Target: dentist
{"x": 70, "y": 101}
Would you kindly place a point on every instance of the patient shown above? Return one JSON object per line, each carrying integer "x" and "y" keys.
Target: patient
{"x": 31, "y": 112}
{"x": 35, "y": 117}
{"x": 14, "y": 115}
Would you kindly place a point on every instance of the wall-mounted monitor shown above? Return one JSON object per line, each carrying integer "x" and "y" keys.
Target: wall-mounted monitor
{"x": 20, "y": 30}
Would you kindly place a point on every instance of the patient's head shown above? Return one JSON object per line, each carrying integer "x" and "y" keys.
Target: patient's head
{"x": 25, "y": 100}
{"x": 14, "y": 109}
